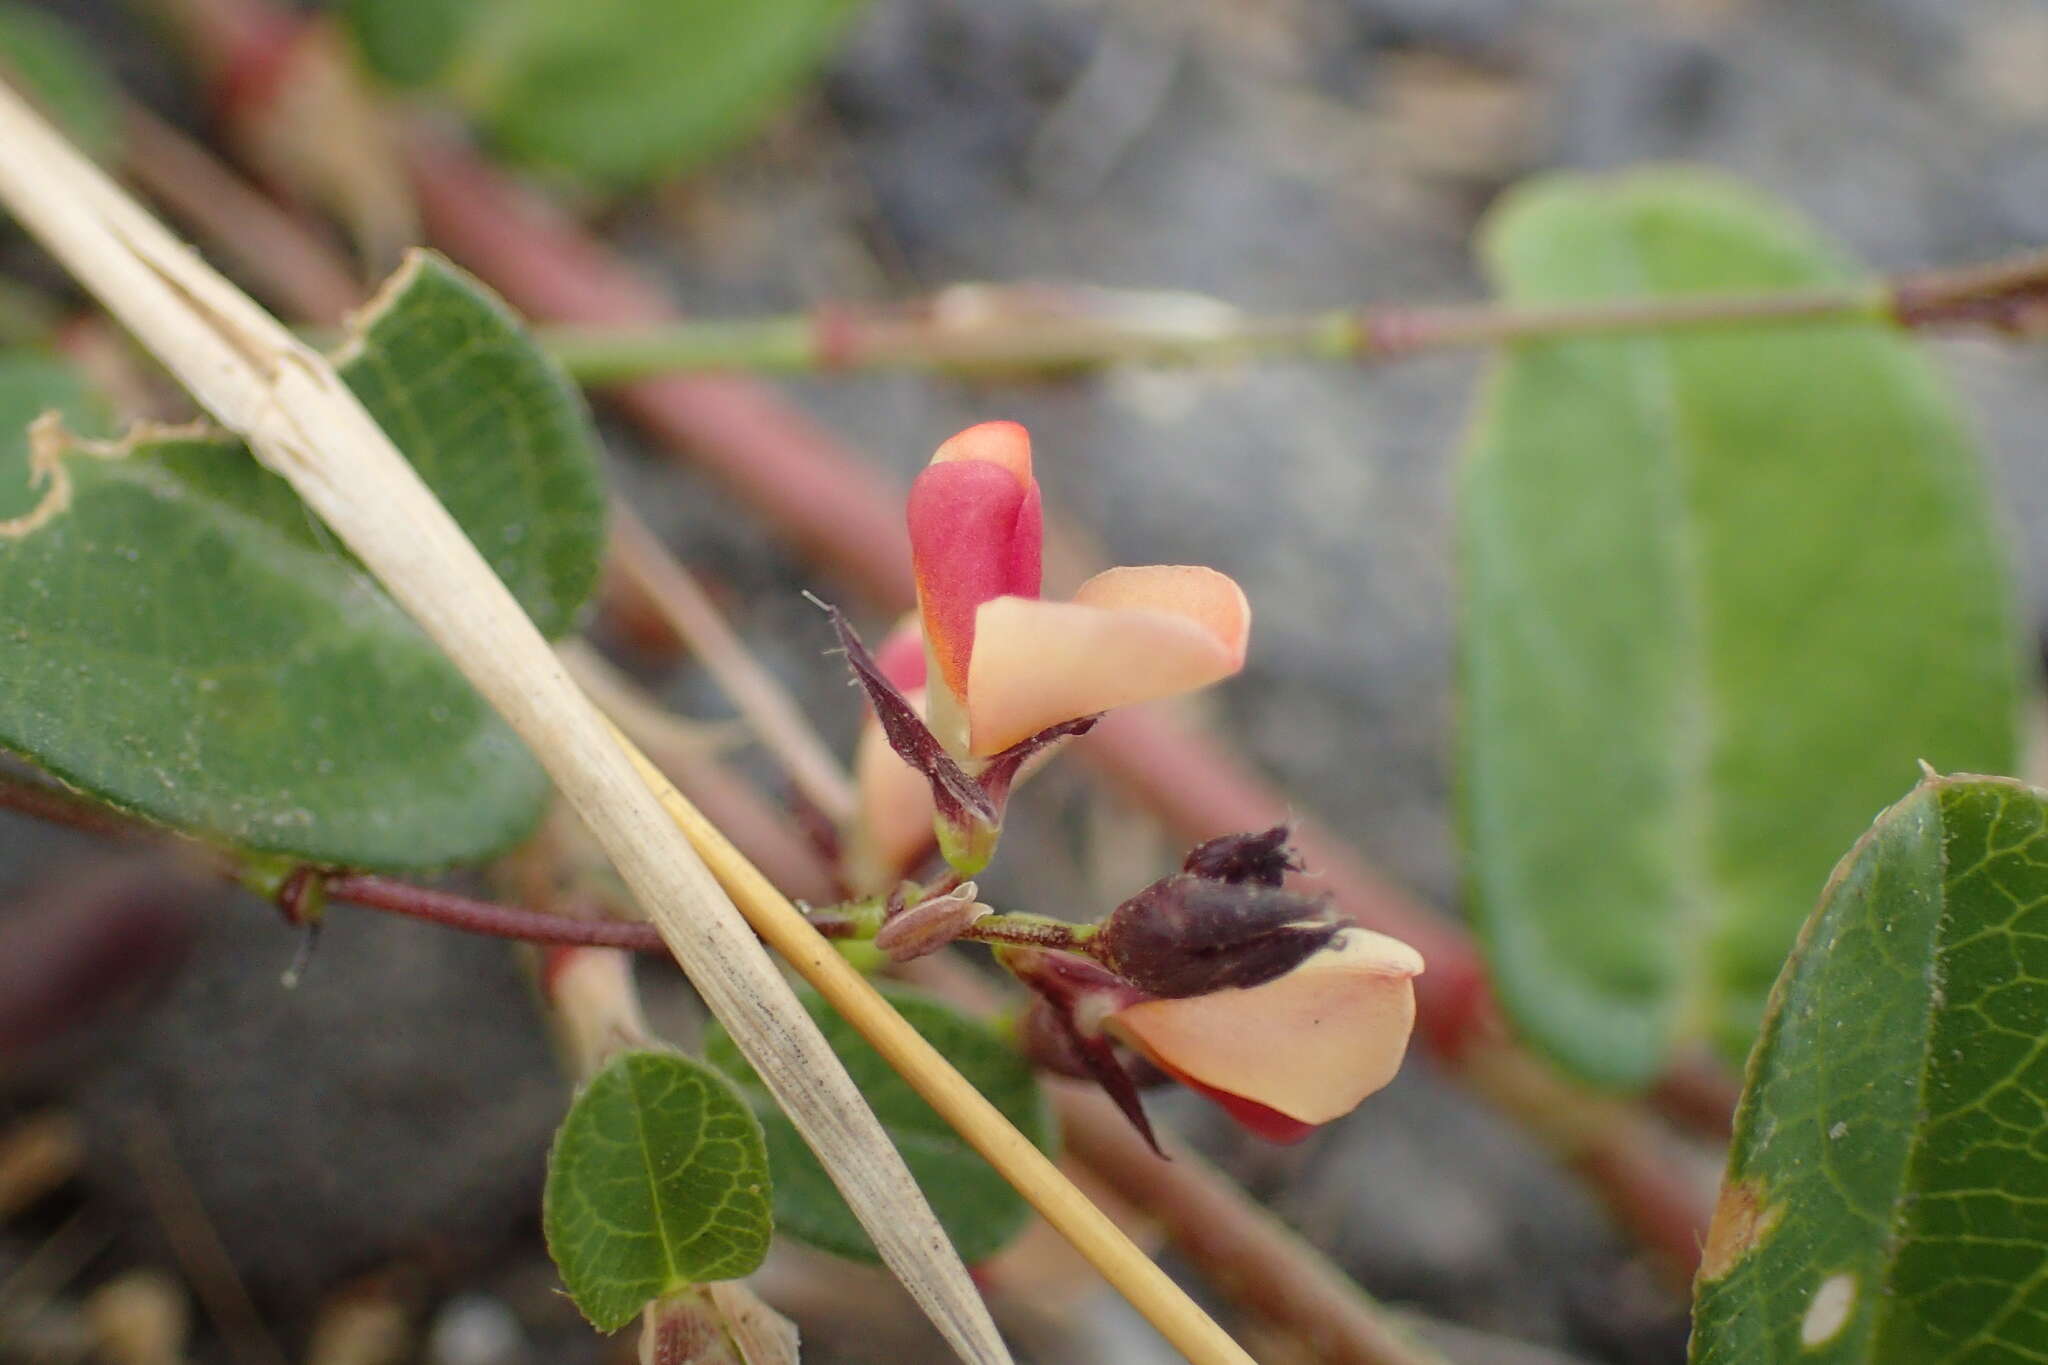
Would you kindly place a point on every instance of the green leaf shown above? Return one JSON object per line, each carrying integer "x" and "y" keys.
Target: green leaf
{"x": 493, "y": 426}
{"x": 1722, "y": 589}
{"x": 61, "y": 75}
{"x": 658, "y": 1180}
{"x": 976, "y": 1206}
{"x": 408, "y": 42}
{"x": 624, "y": 91}
{"x": 1887, "y": 1194}
{"x": 187, "y": 642}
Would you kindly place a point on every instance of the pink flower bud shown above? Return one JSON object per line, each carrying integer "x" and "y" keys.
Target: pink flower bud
{"x": 976, "y": 533}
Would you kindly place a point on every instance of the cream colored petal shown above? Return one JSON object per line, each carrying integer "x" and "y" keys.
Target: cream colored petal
{"x": 1310, "y": 1044}
{"x": 1131, "y": 636}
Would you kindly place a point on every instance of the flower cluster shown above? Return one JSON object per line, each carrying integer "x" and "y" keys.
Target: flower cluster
{"x": 1222, "y": 976}
{"x": 1239, "y": 988}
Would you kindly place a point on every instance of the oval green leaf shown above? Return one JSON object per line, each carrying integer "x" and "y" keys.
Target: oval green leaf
{"x": 1885, "y": 1196}
{"x": 658, "y": 1180}
{"x": 187, "y": 642}
{"x": 1722, "y": 588}
{"x": 977, "y": 1207}
{"x": 623, "y": 91}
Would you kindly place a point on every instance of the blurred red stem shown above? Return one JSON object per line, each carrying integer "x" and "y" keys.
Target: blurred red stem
{"x": 1242, "y": 1249}
{"x": 780, "y": 462}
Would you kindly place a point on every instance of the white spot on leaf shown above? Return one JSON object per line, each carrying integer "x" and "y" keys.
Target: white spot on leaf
{"x": 1828, "y": 1311}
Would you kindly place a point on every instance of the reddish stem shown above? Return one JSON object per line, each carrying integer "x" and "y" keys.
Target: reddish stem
{"x": 357, "y": 888}
{"x": 57, "y": 807}
{"x": 488, "y": 917}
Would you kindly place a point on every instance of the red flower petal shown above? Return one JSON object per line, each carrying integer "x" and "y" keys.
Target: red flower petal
{"x": 976, "y": 532}
{"x": 1270, "y": 1124}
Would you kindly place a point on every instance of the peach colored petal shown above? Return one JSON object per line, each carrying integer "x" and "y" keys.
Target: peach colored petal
{"x": 1140, "y": 634}
{"x": 1309, "y": 1045}
{"x": 1210, "y": 599}
{"x": 893, "y": 820}
{"x": 1005, "y": 443}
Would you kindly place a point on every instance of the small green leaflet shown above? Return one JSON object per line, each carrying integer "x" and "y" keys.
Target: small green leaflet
{"x": 1887, "y": 1194}
{"x": 612, "y": 91}
{"x": 977, "y": 1207}
{"x": 187, "y": 642}
{"x": 658, "y": 1180}
{"x": 1722, "y": 589}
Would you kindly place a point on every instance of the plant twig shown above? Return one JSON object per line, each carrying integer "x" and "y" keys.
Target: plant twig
{"x": 1009, "y": 329}
{"x": 762, "y": 831}
{"x": 304, "y": 424}
{"x": 773, "y": 715}
{"x": 54, "y": 806}
{"x": 489, "y": 917}
{"x": 369, "y": 890}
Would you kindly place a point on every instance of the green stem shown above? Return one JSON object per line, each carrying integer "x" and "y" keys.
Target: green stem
{"x": 1031, "y": 931}
{"x": 988, "y": 329}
